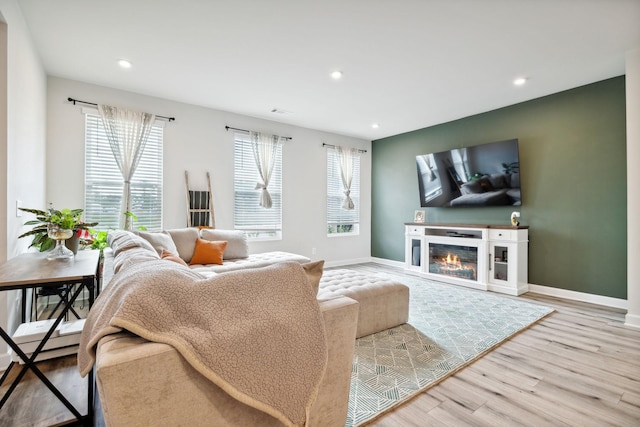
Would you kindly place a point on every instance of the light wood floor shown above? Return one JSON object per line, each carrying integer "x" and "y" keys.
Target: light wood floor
{"x": 579, "y": 366}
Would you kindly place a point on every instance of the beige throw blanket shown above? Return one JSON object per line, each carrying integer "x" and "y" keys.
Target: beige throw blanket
{"x": 258, "y": 334}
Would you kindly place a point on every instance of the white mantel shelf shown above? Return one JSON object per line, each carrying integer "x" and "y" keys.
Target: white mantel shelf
{"x": 498, "y": 226}
{"x": 498, "y": 255}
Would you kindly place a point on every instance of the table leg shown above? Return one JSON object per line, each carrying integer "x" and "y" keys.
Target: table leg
{"x": 91, "y": 284}
{"x": 24, "y": 306}
{"x": 30, "y": 361}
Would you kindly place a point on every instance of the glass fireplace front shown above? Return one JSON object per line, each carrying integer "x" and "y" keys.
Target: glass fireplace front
{"x": 453, "y": 260}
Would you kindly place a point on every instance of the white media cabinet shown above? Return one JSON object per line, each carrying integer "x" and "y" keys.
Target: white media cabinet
{"x": 486, "y": 257}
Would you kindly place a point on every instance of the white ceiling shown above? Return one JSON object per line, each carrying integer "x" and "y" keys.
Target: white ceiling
{"x": 407, "y": 64}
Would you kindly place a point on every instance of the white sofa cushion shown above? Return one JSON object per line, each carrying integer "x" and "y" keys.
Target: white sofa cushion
{"x": 253, "y": 261}
{"x": 133, "y": 256}
{"x": 121, "y": 240}
{"x": 159, "y": 240}
{"x": 185, "y": 241}
{"x": 237, "y": 246}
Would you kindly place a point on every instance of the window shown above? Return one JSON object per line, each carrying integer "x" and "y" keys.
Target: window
{"x": 104, "y": 184}
{"x": 430, "y": 184}
{"x": 342, "y": 221}
{"x": 257, "y": 222}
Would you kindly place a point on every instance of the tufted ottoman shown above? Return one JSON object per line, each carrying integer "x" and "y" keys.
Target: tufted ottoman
{"x": 384, "y": 303}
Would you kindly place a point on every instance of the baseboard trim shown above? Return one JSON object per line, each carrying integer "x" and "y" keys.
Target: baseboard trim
{"x": 622, "y": 304}
{"x": 579, "y": 296}
{"x": 5, "y": 361}
{"x": 391, "y": 263}
{"x": 632, "y": 320}
{"x": 345, "y": 262}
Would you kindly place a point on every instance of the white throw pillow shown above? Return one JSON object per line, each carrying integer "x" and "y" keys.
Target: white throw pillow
{"x": 237, "y": 246}
{"x": 159, "y": 240}
{"x": 185, "y": 241}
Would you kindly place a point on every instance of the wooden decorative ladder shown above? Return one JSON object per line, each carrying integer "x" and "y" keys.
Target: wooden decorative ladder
{"x": 199, "y": 205}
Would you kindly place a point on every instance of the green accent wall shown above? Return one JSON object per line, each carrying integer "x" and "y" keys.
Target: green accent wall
{"x": 573, "y": 179}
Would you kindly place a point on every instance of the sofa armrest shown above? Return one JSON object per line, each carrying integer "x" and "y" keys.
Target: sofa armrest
{"x": 341, "y": 323}
{"x": 145, "y": 383}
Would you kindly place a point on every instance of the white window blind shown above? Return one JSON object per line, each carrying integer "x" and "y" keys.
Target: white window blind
{"x": 340, "y": 220}
{"x": 104, "y": 183}
{"x": 257, "y": 222}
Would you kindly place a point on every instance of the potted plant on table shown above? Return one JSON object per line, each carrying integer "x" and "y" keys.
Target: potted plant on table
{"x": 53, "y": 227}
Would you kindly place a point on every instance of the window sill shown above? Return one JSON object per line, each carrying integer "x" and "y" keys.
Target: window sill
{"x": 264, "y": 239}
{"x": 332, "y": 235}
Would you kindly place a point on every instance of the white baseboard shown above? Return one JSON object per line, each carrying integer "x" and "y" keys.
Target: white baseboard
{"x": 397, "y": 264}
{"x": 344, "y": 262}
{"x": 632, "y": 320}
{"x": 391, "y": 263}
{"x": 579, "y": 296}
{"x": 554, "y": 292}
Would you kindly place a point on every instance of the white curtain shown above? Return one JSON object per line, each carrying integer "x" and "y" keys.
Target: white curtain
{"x": 127, "y": 132}
{"x": 345, "y": 162}
{"x": 431, "y": 176}
{"x": 264, "y": 148}
{"x": 460, "y": 161}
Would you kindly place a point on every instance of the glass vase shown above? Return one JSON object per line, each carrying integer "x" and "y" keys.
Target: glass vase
{"x": 58, "y": 234}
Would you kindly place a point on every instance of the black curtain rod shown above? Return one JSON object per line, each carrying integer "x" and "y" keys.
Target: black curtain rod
{"x": 248, "y": 131}
{"x": 170, "y": 119}
{"x": 324, "y": 144}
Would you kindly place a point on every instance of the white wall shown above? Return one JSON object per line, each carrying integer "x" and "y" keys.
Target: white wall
{"x": 22, "y": 135}
{"x": 633, "y": 187}
{"x": 198, "y": 142}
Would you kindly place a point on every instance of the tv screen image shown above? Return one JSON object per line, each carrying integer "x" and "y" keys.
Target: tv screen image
{"x": 479, "y": 175}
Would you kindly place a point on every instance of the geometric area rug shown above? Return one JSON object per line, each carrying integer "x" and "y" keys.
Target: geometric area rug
{"x": 449, "y": 328}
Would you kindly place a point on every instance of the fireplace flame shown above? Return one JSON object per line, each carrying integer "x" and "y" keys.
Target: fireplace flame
{"x": 452, "y": 261}
{"x": 453, "y": 265}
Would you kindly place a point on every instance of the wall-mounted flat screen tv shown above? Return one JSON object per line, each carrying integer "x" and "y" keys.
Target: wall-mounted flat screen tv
{"x": 480, "y": 175}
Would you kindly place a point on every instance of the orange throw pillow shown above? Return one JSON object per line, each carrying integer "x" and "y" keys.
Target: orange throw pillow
{"x": 170, "y": 256}
{"x": 208, "y": 252}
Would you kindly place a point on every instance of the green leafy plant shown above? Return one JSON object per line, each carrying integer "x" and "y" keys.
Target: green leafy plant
{"x": 129, "y": 222}
{"x": 42, "y": 241}
{"x": 69, "y": 219}
{"x": 99, "y": 239}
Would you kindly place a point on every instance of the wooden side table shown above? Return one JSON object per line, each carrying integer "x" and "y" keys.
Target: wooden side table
{"x": 33, "y": 270}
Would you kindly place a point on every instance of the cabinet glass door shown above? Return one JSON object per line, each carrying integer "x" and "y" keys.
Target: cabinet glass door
{"x": 416, "y": 252}
{"x": 501, "y": 263}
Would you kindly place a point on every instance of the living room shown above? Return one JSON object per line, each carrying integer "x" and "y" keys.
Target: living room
{"x": 574, "y": 147}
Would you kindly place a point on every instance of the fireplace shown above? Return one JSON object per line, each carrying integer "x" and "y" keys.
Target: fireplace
{"x": 480, "y": 257}
{"x": 455, "y": 261}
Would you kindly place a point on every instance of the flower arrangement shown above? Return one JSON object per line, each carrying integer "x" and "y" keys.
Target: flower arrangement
{"x": 65, "y": 219}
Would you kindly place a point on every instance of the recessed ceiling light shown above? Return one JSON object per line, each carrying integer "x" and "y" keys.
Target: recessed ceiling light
{"x": 336, "y": 75}
{"x": 375, "y": 125}
{"x": 280, "y": 111}
{"x": 520, "y": 81}
{"x": 124, "y": 63}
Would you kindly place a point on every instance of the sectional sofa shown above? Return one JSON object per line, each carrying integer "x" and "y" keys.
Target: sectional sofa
{"x": 141, "y": 382}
